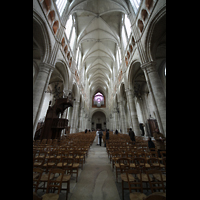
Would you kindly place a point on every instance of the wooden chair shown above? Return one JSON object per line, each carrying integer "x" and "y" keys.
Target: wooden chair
{"x": 154, "y": 163}
{"x": 155, "y": 197}
{"x": 38, "y": 162}
{"x": 37, "y": 142}
{"x": 141, "y": 162}
{"x": 163, "y": 154}
{"x": 154, "y": 183}
{"x": 36, "y": 197}
{"x": 53, "y": 183}
{"x": 66, "y": 177}
{"x": 163, "y": 166}
{"x": 51, "y": 163}
{"x": 41, "y": 154}
{"x": 49, "y": 141}
{"x": 72, "y": 167}
{"x": 43, "y": 141}
{"x": 124, "y": 164}
{"x": 135, "y": 185}
{"x": 78, "y": 157}
{"x": 37, "y": 173}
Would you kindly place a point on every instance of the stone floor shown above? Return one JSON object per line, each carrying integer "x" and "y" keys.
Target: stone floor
{"x": 96, "y": 181}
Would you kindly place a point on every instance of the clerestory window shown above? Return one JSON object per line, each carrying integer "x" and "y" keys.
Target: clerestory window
{"x": 135, "y": 4}
{"x": 61, "y": 5}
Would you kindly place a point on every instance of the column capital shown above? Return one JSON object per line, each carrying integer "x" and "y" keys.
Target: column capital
{"x": 46, "y": 67}
{"x": 66, "y": 92}
{"x": 149, "y": 66}
{"x": 129, "y": 91}
{"x": 76, "y": 103}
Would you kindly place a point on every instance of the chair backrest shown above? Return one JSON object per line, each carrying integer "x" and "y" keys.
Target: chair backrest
{"x": 42, "y": 153}
{"x": 163, "y": 154}
{"x": 54, "y": 183}
{"x": 124, "y": 164}
{"x": 36, "y": 180}
{"x": 69, "y": 165}
{"x": 154, "y": 163}
{"x": 38, "y": 161}
{"x": 155, "y": 197}
{"x": 52, "y": 160}
{"x": 36, "y": 197}
{"x": 153, "y": 154}
{"x": 137, "y": 183}
{"x": 155, "y": 184}
{"x": 44, "y": 141}
{"x": 139, "y": 162}
{"x": 55, "y": 141}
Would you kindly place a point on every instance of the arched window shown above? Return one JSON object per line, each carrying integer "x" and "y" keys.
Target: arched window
{"x": 61, "y": 5}
{"x": 127, "y": 25}
{"x": 72, "y": 40}
{"x": 135, "y": 4}
{"x": 124, "y": 38}
{"x": 98, "y": 100}
{"x": 68, "y": 26}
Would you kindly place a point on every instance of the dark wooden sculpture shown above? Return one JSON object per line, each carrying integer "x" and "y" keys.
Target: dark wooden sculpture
{"x": 53, "y": 125}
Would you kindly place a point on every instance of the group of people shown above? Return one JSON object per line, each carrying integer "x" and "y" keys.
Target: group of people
{"x": 159, "y": 139}
{"x": 99, "y": 135}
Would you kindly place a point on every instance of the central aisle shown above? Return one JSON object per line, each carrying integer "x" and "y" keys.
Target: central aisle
{"x": 96, "y": 181}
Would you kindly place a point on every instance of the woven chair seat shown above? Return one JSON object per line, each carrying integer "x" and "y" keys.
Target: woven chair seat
{"x": 157, "y": 176}
{"x": 49, "y": 164}
{"x": 144, "y": 177}
{"x": 75, "y": 165}
{"x": 60, "y": 164}
{"x": 37, "y": 163}
{"x": 66, "y": 178}
{"x": 35, "y": 175}
{"x": 132, "y": 164}
{"x": 44, "y": 177}
{"x": 137, "y": 196}
{"x": 124, "y": 177}
{"x": 50, "y": 196}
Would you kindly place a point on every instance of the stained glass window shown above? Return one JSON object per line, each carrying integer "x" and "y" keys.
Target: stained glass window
{"x": 98, "y": 99}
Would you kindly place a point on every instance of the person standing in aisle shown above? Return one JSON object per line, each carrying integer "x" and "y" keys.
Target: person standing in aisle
{"x": 97, "y": 137}
{"x": 100, "y": 136}
{"x": 107, "y": 136}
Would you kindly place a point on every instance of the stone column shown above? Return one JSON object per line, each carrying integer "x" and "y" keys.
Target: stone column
{"x": 158, "y": 96}
{"x": 134, "y": 117}
{"x": 114, "y": 119}
{"x": 85, "y": 121}
{"x": 39, "y": 89}
{"x": 88, "y": 124}
{"x": 74, "y": 120}
{"x": 122, "y": 116}
{"x": 81, "y": 120}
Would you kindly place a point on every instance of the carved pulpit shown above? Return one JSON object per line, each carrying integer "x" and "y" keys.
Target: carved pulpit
{"x": 53, "y": 125}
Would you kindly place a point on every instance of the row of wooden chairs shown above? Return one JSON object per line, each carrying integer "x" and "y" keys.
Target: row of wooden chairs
{"x": 78, "y": 156}
{"x": 124, "y": 165}
{"x": 49, "y": 158}
{"x": 126, "y": 155}
{"x": 54, "y": 179}
{"x": 155, "y": 180}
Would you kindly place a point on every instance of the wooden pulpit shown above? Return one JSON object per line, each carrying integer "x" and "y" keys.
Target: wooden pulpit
{"x": 53, "y": 125}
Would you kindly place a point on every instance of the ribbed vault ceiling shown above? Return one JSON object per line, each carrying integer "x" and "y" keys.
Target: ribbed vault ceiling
{"x": 98, "y": 30}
